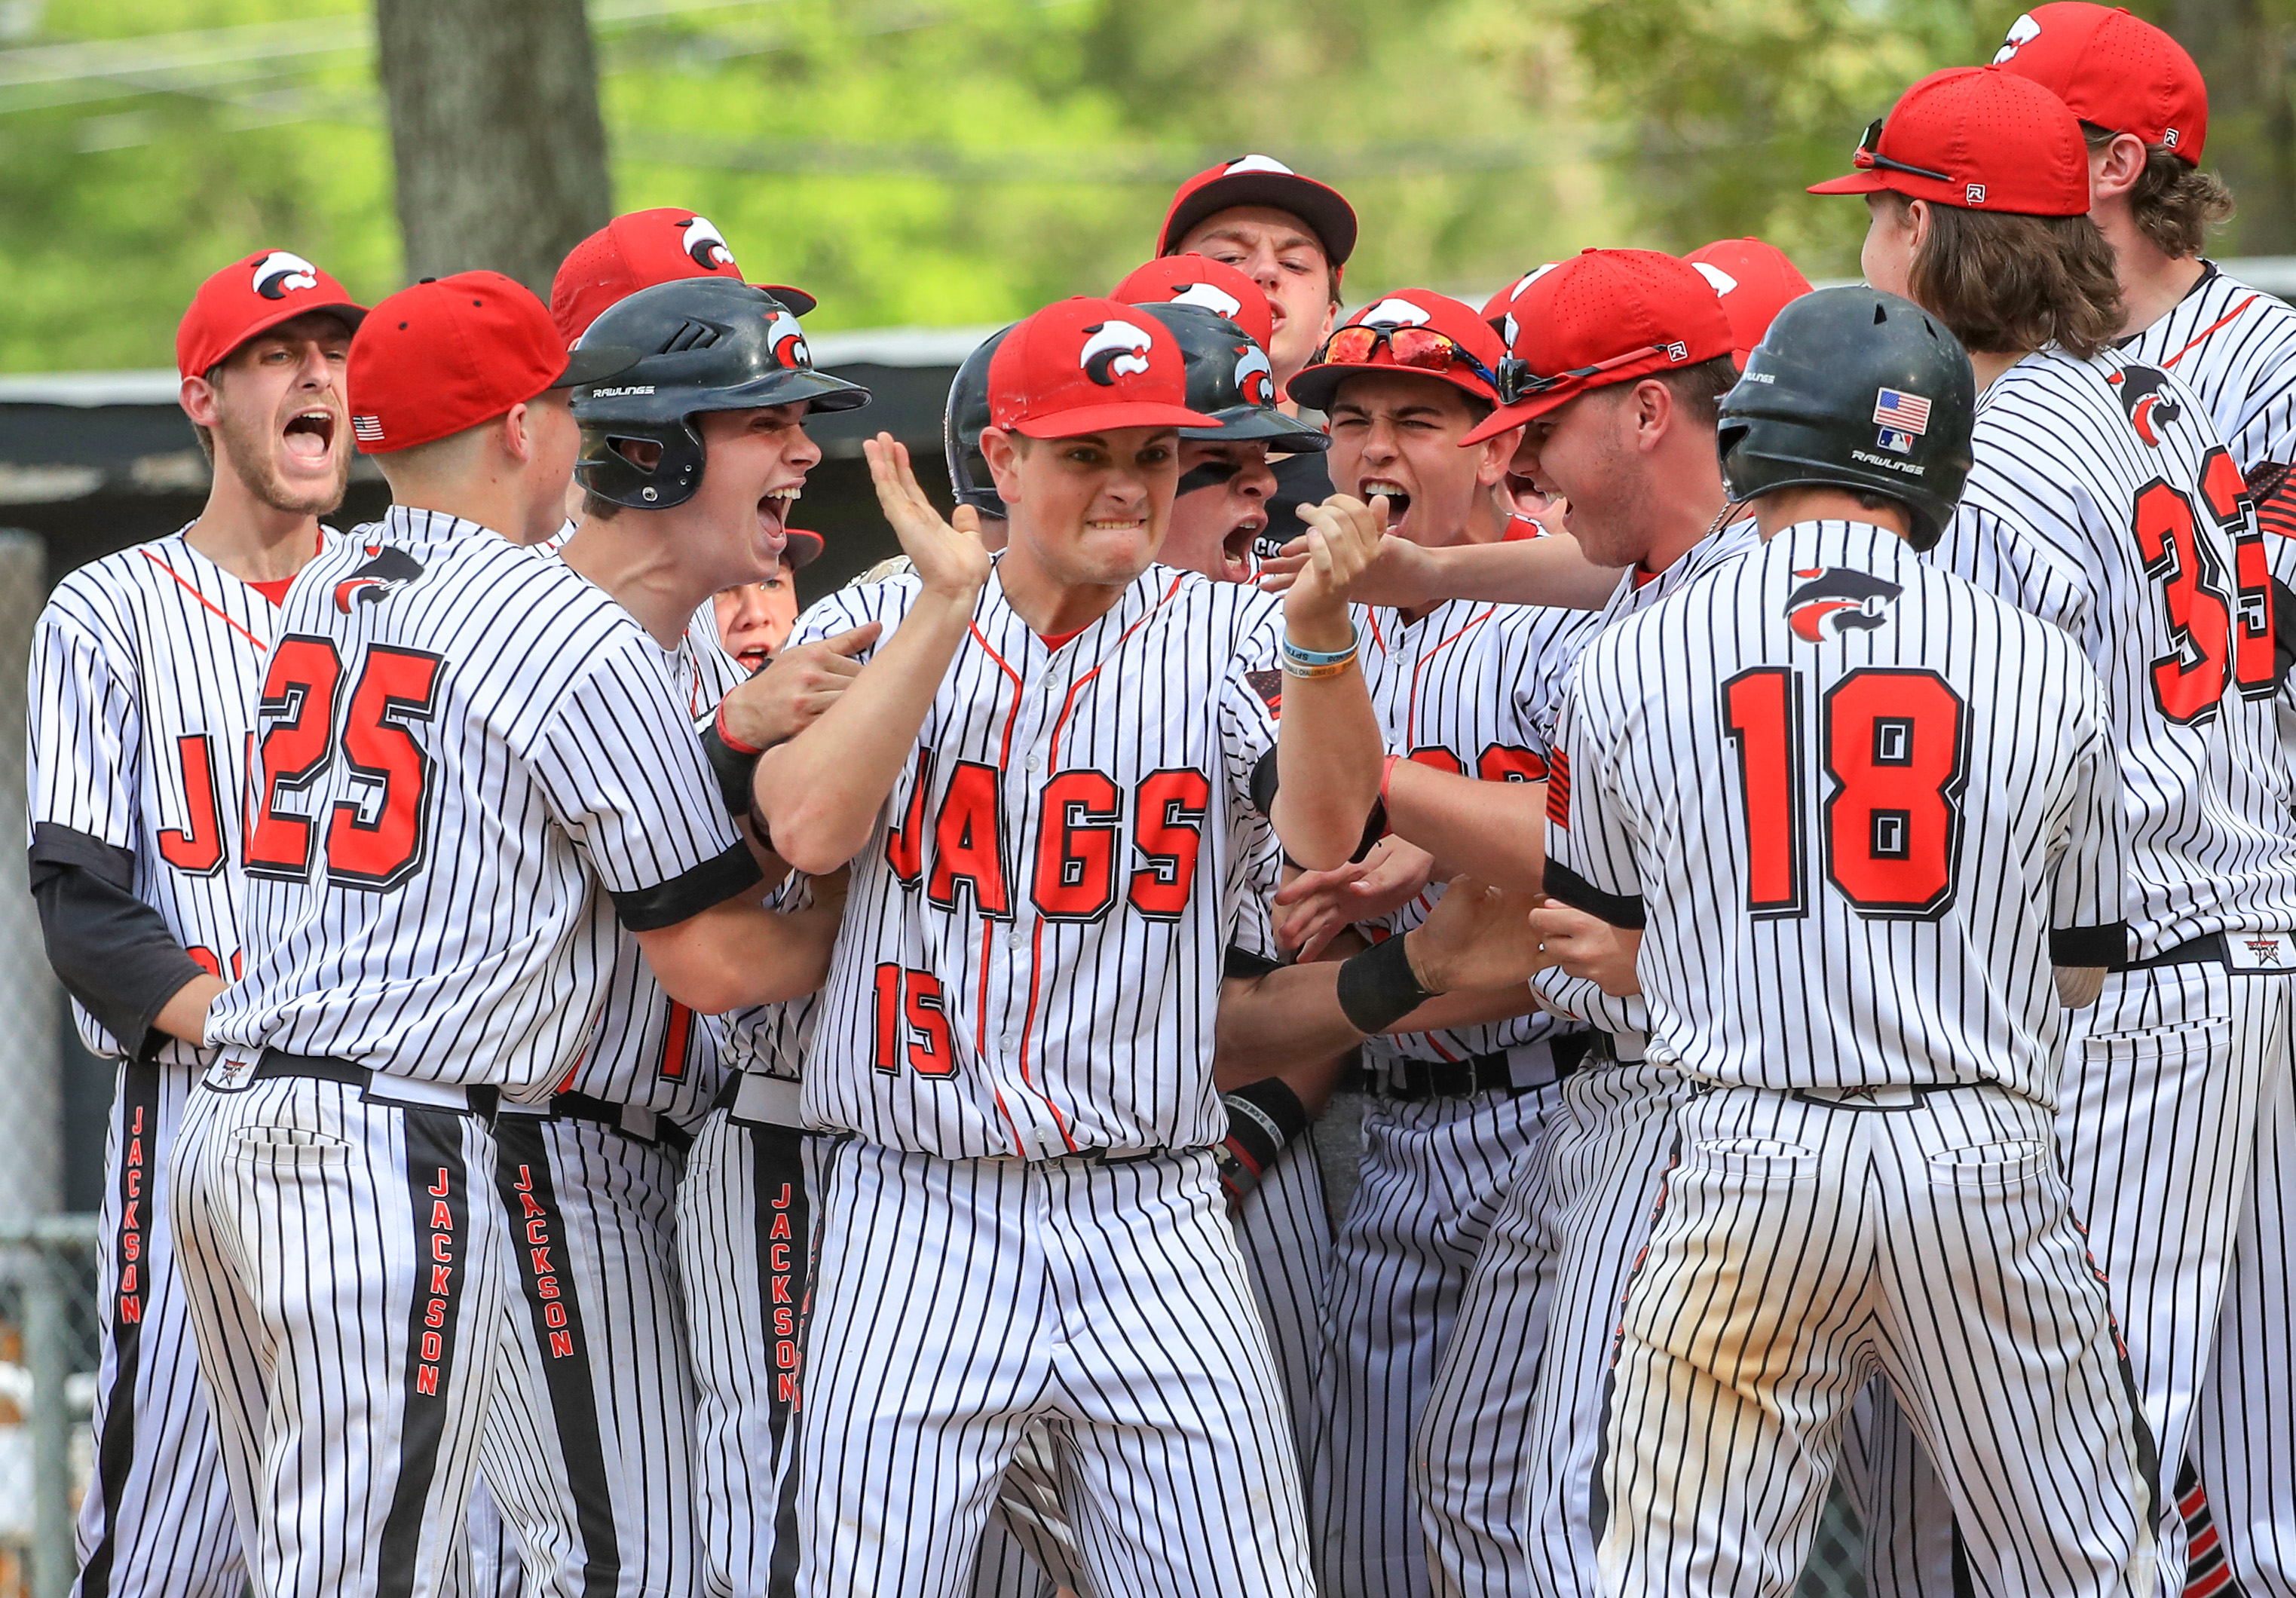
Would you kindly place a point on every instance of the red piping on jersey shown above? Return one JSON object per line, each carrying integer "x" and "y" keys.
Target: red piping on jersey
{"x": 1411, "y": 709}
{"x": 261, "y": 647}
{"x": 1052, "y": 764}
{"x": 1004, "y": 754}
{"x": 2210, "y": 328}
{"x": 1053, "y": 750}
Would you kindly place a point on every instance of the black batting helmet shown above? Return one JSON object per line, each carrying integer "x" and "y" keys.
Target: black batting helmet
{"x": 961, "y": 422}
{"x": 1854, "y": 388}
{"x": 1229, "y": 378}
{"x": 707, "y": 344}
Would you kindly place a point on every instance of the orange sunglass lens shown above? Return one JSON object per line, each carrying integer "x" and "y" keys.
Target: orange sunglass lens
{"x": 1352, "y": 346}
{"x": 1421, "y": 346}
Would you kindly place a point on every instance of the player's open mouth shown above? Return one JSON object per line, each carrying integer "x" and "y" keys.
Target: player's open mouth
{"x": 310, "y": 435}
{"x": 1235, "y": 549}
{"x": 773, "y": 513}
{"x": 753, "y": 659}
{"x": 1398, "y": 497}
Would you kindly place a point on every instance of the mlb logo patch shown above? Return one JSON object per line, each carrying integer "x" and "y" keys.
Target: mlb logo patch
{"x": 1891, "y": 439}
{"x": 1897, "y": 409}
{"x": 1976, "y": 192}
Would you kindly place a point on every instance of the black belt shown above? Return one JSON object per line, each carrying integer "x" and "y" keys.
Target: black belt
{"x": 666, "y": 1133}
{"x": 274, "y": 1064}
{"x": 1476, "y": 1074}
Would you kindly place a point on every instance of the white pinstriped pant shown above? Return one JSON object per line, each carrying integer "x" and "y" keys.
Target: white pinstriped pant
{"x": 1285, "y": 1233}
{"x": 1503, "y": 1461}
{"x": 349, "y": 1376}
{"x": 156, "y": 1520}
{"x": 746, "y": 1212}
{"x": 587, "y": 1450}
{"x": 958, "y": 1302}
{"x": 1802, "y": 1248}
{"x": 2174, "y": 1128}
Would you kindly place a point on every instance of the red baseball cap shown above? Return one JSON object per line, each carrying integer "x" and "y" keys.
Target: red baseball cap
{"x": 1262, "y": 180}
{"x": 638, "y": 250}
{"x": 1605, "y": 316}
{"x": 2116, "y": 70}
{"x": 1082, "y": 366}
{"x": 1978, "y": 139}
{"x": 1321, "y": 378}
{"x": 251, "y": 296}
{"x": 1755, "y": 282}
{"x": 1197, "y": 280}
{"x": 448, "y": 353}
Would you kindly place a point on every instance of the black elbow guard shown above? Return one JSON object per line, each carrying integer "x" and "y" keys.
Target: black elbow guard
{"x": 1262, "y": 1117}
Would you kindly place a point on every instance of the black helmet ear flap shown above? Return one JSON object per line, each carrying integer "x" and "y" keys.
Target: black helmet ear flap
{"x": 606, "y": 469}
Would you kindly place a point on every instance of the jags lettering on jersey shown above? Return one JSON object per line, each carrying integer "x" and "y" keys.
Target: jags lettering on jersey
{"x": 1033, "y": 941}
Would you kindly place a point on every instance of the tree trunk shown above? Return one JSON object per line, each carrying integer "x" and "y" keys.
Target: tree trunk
{"x": 495, "y": 130}
{"x": 2244, "y": 49}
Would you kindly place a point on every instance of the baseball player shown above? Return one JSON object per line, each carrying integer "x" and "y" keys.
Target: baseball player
{"x": 2133, "y": 544}
{"x": 1025, "y": 1226}
{"x": 1619, "y": 426}
{"x": 1292, "y": 237}
{"x": 473, "y": 764}
{"x": 1862, "y": 807}
{"x": 2143, "y": 111}
{"x": 142, "y": 667}
{"x": 691, "y": 456}
{"x": 1453, "y": 1114}
{"x": 753, "y": 619}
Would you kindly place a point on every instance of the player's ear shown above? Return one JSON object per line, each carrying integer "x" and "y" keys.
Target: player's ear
{"x": 197, "y": 396}
{"x": 1652, "y": 406}
{"x": 514, "y": 433}
{"x": 1003, "y": 451}
{"x": 1498, "y": 456}
{"x": 1917, "y": 224}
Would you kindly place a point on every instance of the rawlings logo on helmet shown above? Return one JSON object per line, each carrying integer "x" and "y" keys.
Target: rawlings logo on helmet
{"x": 1210, "y": 297}
{"x": 280, "y": 271}
{"x": 1393, "y": 311}
{"x": 2022, "y": 32}
{"x": 786, "y": 341}
{"x": 1114, "y": 349}
{"x": 707, "y": 246}
{"x": 1255, "y": 378}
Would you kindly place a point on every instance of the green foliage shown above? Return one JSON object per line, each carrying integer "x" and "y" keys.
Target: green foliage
{"x": 949, "y": 161}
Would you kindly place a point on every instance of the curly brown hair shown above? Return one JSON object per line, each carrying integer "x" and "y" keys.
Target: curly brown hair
{"x": 2005, "y": 284}
{"x": 2174, "y": 203}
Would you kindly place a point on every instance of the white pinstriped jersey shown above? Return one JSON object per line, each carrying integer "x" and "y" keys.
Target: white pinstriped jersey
{"x": 471, "y": 759}
{"x": 1466, "y": 689}
{"x": 1032, "y": 946}
{"x": 144, "y": 666}
{"x": 1623, "y": 1016}
{"x": 2102, "y": 500}
{"x": 648, "y": 1049}
{"x": 2235, "y": 346}
{"x": 1862, "y": 805}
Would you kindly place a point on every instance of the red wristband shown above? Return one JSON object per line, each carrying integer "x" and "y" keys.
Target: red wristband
{"x": 727, "y": 738}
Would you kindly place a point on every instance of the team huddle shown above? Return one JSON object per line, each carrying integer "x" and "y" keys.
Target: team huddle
{"x": 1774, "y": 805}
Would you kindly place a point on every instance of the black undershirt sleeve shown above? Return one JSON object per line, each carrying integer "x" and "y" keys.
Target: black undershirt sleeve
{"x": 110, "y": 950}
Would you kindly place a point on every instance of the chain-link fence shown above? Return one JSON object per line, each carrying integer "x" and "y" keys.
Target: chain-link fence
{"x": 48, "y": 1349}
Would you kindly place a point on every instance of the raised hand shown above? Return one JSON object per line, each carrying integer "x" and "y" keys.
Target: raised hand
{"x": 950, "y": 560}
{"x": 1343, "y": 536}
{"x": 796, "y": 686}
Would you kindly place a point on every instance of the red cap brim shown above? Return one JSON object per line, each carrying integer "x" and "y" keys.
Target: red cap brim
{"x": 1102, "y": 418}
{"x": 1508, "y": 416}
{"x": 1864, "y": 181}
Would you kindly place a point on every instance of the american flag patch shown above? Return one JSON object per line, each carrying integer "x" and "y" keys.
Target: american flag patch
{"x": 1558, "y": 790}
{"x": 1907, "y": 412}
{"x": 367, "y": 429}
